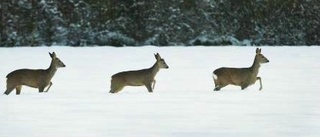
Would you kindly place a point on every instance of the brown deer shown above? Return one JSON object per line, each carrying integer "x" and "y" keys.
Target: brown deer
{"x": 143, "y": 77}
{"x": 242, "y": 77}
{"x": 36, "y": 78}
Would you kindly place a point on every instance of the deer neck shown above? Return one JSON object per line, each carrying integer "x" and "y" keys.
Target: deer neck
{"x": 52, "y": 69}
{"x": 154, "y": 69}
{"x": 255, "y": 67}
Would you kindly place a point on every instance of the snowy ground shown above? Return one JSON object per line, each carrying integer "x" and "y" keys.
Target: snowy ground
{"x": 183, "y": 103}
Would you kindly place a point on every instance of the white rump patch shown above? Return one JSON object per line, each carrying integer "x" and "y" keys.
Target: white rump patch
{"x": 214, "y": 76}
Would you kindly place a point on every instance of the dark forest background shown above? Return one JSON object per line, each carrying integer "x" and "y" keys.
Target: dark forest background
{"x": 159, "y": 22}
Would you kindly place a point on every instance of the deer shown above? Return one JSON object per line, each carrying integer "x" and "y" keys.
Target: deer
{"x": 35, "y": 78}
{"x": 143, "y": 77}
{"x": 242, "y": 77}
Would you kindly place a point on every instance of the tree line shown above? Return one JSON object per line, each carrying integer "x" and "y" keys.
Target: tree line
{"x": 158, "y": 22}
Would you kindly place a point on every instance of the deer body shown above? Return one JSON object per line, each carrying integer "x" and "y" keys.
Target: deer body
{"x": 36, "y": 78}
{"x": 143, "y": 77}
{"x": 242, "y": 77}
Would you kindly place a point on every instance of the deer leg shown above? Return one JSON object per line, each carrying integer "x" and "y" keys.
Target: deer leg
{"x": 10, "y": 88}
{"x": 153, "y": 84}
{"x": 215, "y": 84}
{"x": 218, "y": 87}
{"x": 244, "y": 86}
{"x": 18, "y": 89}
{"x": 50, "y": 84}
{"x": 260, "y": 80}
{"x": 112, "y": 87}
{"x": 148, "y": 86}
{"x": 41, "y": 89}
{"x": 112, "y": 91}
{"x": 218, "y": 84}
{"x": 116, "y": 88}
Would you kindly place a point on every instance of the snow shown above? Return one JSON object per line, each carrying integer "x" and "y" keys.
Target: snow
{"x": 183, "y": 103}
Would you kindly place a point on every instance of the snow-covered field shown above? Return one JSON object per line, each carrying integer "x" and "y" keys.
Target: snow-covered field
{"x": 183, "y": 103}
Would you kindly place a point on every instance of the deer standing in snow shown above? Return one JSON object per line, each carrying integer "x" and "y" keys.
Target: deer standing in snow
{"x": 243, "y": 77}
{"x": 143, "y": 77}
{"x": 36, "y": 78}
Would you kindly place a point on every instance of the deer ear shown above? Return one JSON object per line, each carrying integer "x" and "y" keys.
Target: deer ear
{"x": 52, "y": 55}
{"x": 157, "y": 56}
{"x": 258, "y": 51}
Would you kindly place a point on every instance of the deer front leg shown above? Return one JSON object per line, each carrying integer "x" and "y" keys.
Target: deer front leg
{"x": 50, "y": 84}
{"x": 153, "y": 84}
{"x": 260, "y": 80}
{"x": 148, "y": 86}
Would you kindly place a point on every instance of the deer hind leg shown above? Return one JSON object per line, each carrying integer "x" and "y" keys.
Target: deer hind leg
{"x": 244, "y": 86}
{"x": 115, "y": 87}
{"x": 260, "y": 80}
{"x": 218, "y": 84}
{"x": 41, "y": 89}
{"x": 10, "y": 88}
{"x": 218, "y": 87}
{"x": 18, "y": 89}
